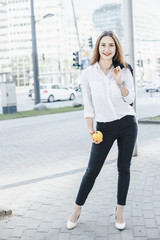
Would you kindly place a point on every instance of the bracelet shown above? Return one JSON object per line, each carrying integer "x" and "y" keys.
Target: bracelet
{"x": 121, "y": 85}
{"x": 90, "y": 131}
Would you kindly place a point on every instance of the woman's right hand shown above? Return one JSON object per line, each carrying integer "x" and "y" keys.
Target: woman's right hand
{"x": 91, "y": 133}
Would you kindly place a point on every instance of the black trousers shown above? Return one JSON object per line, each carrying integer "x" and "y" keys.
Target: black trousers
{"x": 125, "y": 132}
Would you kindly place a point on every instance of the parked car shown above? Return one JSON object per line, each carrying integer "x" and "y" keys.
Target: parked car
{"x": 78, "y": 88}
{"x": 52, "y": 92}
{"x": 152, "y": 87}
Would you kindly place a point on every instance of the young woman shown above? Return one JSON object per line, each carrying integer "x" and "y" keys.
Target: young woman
{"x": 108, "y": 92}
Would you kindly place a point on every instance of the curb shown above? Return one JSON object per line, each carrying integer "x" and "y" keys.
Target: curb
{"x": 148, "y": 121}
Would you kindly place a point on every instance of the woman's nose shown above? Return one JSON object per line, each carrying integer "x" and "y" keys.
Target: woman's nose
{"x": 106, "y": 48}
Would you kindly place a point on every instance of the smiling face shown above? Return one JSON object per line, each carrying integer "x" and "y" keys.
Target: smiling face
{"x": 107, "y": 48}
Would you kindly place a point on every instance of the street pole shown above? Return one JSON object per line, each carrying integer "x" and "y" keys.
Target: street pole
{"x": 130, "y": 47}
{"x": 75, "y": 23}
{"x": 34, "y": 56}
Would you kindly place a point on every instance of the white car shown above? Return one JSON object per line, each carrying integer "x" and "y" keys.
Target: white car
{"x": 52, "y": 92}
{"x": 152, "y": 87}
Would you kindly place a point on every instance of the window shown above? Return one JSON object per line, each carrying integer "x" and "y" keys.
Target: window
{"x": 55, "y": 87}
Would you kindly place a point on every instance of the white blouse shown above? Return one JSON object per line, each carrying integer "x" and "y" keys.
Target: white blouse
{"x": 102, "y": 97}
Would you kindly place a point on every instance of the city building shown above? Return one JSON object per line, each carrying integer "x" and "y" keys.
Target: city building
{"x": 109, "y": 17}
{"x": 58, "y": 38}
{"x": 146, "y": 28}
{"x": 5, "y": 66}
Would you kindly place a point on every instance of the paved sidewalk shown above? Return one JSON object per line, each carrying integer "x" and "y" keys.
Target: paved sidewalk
{"x": 42, "y": 162}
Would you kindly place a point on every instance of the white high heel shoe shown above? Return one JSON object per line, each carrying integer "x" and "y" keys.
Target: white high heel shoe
{"x": 119, "y": 226}
{"x": 71, "y": 225}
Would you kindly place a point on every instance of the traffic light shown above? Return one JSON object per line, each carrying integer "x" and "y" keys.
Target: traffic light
{"x": 158, "y": 60}
{"x": 90, "y": 42}
{"x": 76, "y": 60}
{"x": 140, "y": 63}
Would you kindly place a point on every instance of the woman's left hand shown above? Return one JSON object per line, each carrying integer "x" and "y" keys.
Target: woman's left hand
{"x": 117, "y": 74}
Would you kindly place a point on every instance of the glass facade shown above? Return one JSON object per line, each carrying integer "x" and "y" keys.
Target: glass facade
{"x": 57, "y": 38}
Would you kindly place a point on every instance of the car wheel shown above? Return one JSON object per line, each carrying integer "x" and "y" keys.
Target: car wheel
{"x": 72, "y": 96}
{"x": 51, "y": 98}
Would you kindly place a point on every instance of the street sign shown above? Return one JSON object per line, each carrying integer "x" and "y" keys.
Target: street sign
{"x": 85, "y": 63}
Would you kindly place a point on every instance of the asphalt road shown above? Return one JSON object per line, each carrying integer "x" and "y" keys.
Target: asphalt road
{"x": 147, "y": 104}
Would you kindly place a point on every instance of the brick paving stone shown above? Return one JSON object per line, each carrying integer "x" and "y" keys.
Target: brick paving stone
{"x": 24, "y": 222}
{"x": 11, "y": 222}
{"x": 5, "y": 233}
{"x": 100, "y": 238}
{"x": 76, "y": 237}
{"x": 64, "y": 236}
{"x": 79, "y": 230}
{"x": 148, "y": 214}
{"x": 136, "y": 205}
{"x": 112, "y": 229}
{"x": 147, "y": 206}
{"x": 31, "y": 213}
{"x": 52, "y": 234}
{"x": 147, "y": 199}
{"x": 90, "y": 226}
{"x": 39, "y": 236}
{"x": 152, "y": 233}
{"x": 139, "y": 231}
{"x": 102, "y": 220}
{"x": 48, "y": 217}
{"x": 101, "y": 231}
{"x": 157, "y": 211}
{"x": 148, "y": 188}
{"x": 61, "y": 215}
{"x": 150, "y": 223}
{"x": 57, "y": 224}
{"x": 137, "y": 198}
{"x": 88, "y": 236}
{"x": 156, "y": 192}
{"x": 18, "y": 232}
{"x": 44, "y": 226}
{"x": 155, "y": 204}
{"x": 140, "y": 238}
{"x": 127, "y": 214}
{"x": 12, "y": 238}
{"x": 127, "y": 234}
{"x": 34, "y": 224}
{"x": 155, "y": 198}
{"x": 39, "y": 215}
{"x": 138, "y": 221}
{"x": 147, "y": 193}
{"x": 28, "y": 234}
{"x": 44, "y": 207}
{"x": 35, "y": 206}
{"x": 137, "y": 212}
{"x": 113, "y": 237}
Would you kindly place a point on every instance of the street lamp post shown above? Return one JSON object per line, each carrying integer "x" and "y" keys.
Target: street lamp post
{"x": 34, "y": 52}
{"x": 34, "y": 56}
{"x": 129, "y": 47}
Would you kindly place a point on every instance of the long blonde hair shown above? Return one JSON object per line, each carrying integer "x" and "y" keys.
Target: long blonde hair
{"x": 118, "y": 57}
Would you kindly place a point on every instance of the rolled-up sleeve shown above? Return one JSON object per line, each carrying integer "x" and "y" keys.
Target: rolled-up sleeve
{"x": 128, "y": 79}
{"x": 87, "y": 98}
